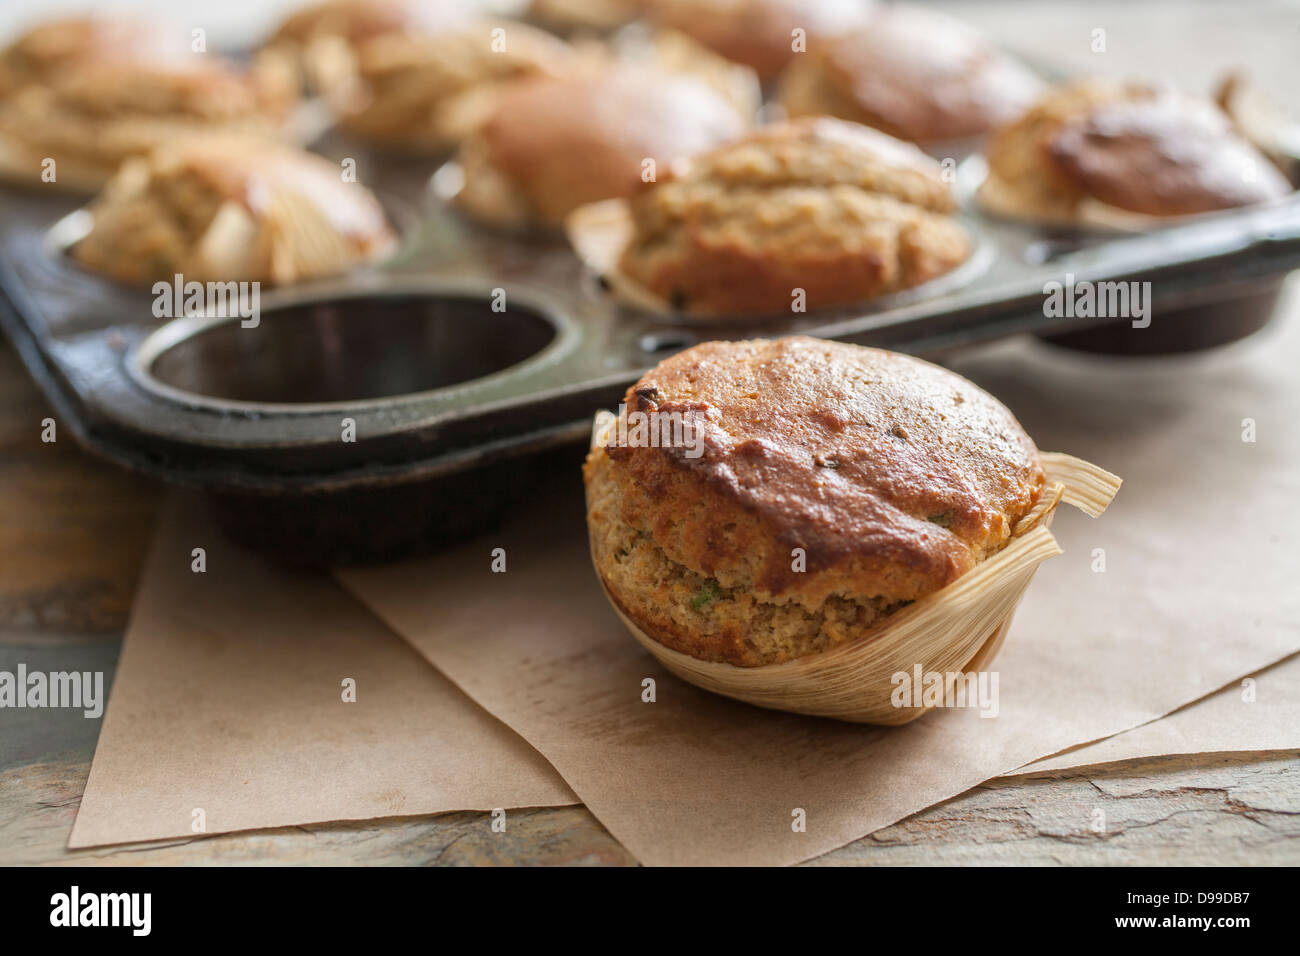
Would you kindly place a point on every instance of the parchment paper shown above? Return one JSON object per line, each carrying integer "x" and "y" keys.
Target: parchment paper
{"x": 1198, "y": 591}
{"x": 1261, "y": 712}
{"x": 228, "y": 700}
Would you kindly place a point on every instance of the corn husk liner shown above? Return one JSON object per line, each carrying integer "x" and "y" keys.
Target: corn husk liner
{"x": 599, "y": 232}
{"x": 956, "y": 630}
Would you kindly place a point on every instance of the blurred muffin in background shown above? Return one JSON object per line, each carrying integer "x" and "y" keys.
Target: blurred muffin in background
{"x": 95, "y": 114}
{"x": 832, "y": 211}
{"x": 322, "y": 39}
{"x": 223, "y": 208}
{"x": 1274, "y": 130}
{"x": 50, "y": 49}
{"x": 553, "y": 144}
{"x": 601, "y": 16}
{"x": 1125, "y": 155}
{"x": 913, "y": 73}
{"x": 424, "y": 92}
{"x": 761, "y": 34}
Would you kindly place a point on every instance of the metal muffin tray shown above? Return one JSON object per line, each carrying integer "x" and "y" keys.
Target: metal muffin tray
{"x": 450, "y": 400}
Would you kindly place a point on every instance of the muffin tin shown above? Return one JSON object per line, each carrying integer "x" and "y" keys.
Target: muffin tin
{"x": 471, "y": 349}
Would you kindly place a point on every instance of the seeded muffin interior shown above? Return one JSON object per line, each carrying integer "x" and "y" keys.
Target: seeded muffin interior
{"x": 692, "y": 613}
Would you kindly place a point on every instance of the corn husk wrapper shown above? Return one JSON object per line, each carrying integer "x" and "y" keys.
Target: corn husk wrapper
{"x": 599, "y": 232}
{"x": 956, "y": 630}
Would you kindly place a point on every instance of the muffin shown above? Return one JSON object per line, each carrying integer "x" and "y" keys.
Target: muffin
{"x": 50, "y": 49}
{"x": 1121, "y": 154}
{"x": 815, "y": 489}
{"x": 599, "y": 15}
{"x": 358, "y": 20}
{"x": 424, "y": 92}
{"x": 759, "y": 33}
{"x": 93, "y": 116}
{"x": 553, "y": 144}
{"x": 322, "y": 39}
{"x": 913, "y": 73}
{"x": 814, "y": 213}
{"x": 222, "y": 208}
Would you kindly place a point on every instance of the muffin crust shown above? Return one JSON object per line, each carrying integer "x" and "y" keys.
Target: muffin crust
{"x": 220, "y": 208}
{"x": 892, "y": 475}
{"x": 427, "y": 92}
{"x": 51, "y": 49}
{"x": 759, "y": 33}
{"x": 553, "y": 144}
{"x": 831, "y": 208}
{"x": 913, "y": 73}
{"x": 1136, "y": 148}
{"x": 104, "y": 111}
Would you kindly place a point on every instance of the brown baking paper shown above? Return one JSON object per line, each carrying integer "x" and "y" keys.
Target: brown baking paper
{"x": 228, "y": 700}
{"x": 1198, "y": 590}
{"x": 1258, "y": 713}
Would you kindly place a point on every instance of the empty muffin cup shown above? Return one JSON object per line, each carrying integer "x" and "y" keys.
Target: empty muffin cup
{"x": 361, "y": 346}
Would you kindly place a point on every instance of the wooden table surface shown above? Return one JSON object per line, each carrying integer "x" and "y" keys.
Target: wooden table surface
{"x": 73, "y": 532}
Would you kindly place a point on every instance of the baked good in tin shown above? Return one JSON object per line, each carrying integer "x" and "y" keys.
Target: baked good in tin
{"x": 224, "y": 208}
{"x": 811, "y": 214}
{"x": 94, "y": 115}
{"x": 425, "y": 91}
{"x": 552, "y": 144}
{"x": 1120, "y": 154}
{"x": 765, "y": 35}
{"x": 912, "y": 72}
{"x": 50, "y": 48}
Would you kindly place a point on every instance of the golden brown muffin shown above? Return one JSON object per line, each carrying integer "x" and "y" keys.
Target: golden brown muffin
{"x": 357, "y": 20}
{"x": 1102, "y": 151}
{"x": 50, "y": 49}
{"x": 837, "y": 210}
{"x": 883, "y": 477}
{"x": 220, "y": 208}
{"x": 553, "y": 144}
{"x": 759, "y": 33}
{"x": 322, "y": 39}
{"x": 600, "y": 15}
{"x": 94, "y": 116}
{"x": 426, "y": 92}
{"x": 913, "y": 73}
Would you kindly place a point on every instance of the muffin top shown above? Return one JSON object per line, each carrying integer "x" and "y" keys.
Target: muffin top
{"x": 357, "y": 20}
{"x": 759, "y": 33}
{"x": 1138, "y": 148}
{"x": 199, "y": 88}
{"x": 231, "y": 207}
{"x": 250, "y": 172}
{"x": 49, "y": 49}
{"x": 835, "y": 209}
{"x": 894, "y": 475}
{"x": 569, "y": 140}
{"x": 914, "y": 73}
{"x": 426, "y": 91}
